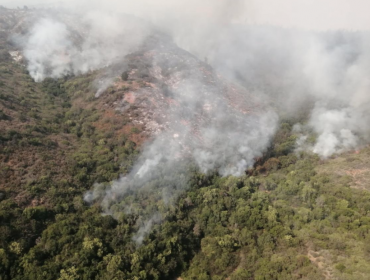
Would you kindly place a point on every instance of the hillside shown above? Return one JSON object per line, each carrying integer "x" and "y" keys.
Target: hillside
{"x": 290, "y": 216}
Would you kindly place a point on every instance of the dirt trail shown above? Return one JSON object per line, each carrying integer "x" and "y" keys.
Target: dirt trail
{"x": 322, "y": 263}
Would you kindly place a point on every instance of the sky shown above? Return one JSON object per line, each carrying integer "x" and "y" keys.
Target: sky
{"x": 308, "y": 14}
{"x": 314, "y": 14}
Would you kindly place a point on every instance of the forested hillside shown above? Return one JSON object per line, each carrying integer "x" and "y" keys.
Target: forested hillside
{"x": 288, "y": 219}
{"x": 291, "y": 216}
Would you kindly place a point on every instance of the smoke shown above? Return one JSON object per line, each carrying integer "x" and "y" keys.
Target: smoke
{"x": 162, "y": 172}
{"x": 336, "y": 130}
{"x": 294, "y": 70}
{"x": 213, "y": 126}
{"x": 138, "y": 238}
{"x": 52, "y": 38}
{"x": 54, "y": 49}
{"x": 323, "y": 73}
{"x": 336, "y": 68}
{"x": 210, "y": 127}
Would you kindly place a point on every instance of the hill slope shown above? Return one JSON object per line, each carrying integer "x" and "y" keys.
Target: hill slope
{"x": 293, "y": 216}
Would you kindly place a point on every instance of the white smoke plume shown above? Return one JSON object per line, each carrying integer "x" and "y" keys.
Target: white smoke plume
{"x": 52, "y": 38}
{"x": 76, "y": 44}
{"x": 206, "y": 129}
{"x": 293, "y": 69}
{"x": 323, "y": 72}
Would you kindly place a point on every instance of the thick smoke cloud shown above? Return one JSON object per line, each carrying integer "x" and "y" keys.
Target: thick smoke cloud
{"x": 314, "y": 14}
{"x": 53, "y": 49}
{"x": 206, "y": 128}
{"x": 52, "y": 38}
{"x": 93, "y": 34}
{"x": 325, "y": 73}
{"x": 209, "y": 127}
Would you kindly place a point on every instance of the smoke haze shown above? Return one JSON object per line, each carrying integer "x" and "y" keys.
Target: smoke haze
{"x": 297, "y": 68}
{"x": 291, "y": 69}
{"x": 313, "y": 15}
{"x": 53, "y": 49}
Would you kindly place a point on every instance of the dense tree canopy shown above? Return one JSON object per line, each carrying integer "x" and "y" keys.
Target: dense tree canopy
{"x": 285, "y": 219}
